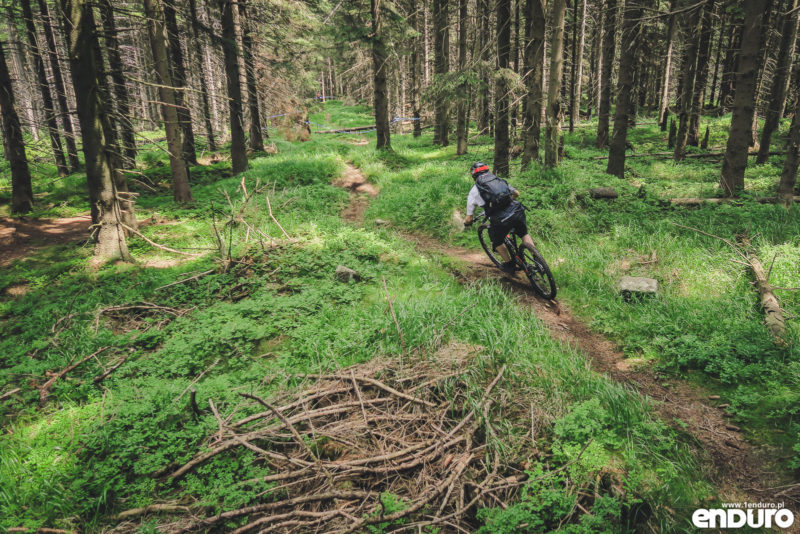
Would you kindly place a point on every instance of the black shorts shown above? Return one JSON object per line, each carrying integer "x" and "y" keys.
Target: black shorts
{"x": 500, "y": 229}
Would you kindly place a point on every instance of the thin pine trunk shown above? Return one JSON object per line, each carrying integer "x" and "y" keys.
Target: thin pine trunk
{"x": 789, "y": 174}
{"x": 441, "y": 67}
{"x": 554, "y": 97}
{"x": 21, "y": 189}
{"x": 415, "y": 69}
{"x": 672, "y": 30}
{"x": 688, "y": 76}
{"x": 379, "y": 66}
{"x": 61, "y": 93}
{"x": 485, "y": 87}
{"x": 238, "y": 150}
{"x": 501, "y": 139}
{"x": 178, "y": 71}
{"x": 740, "y": 135}
{"x": 159, "y": 42}
{"x": 82, "y": 43}
{"x": 201, "y": 75}
{"x": 256, "y": 135}
{"x": 461, "y": 111}
{"x": 577, "y": 59}
{"x": 125, "y": 117}
{"x": 780, "y": 82}
{"x": 534, "y": 61}
{"x": 609, "y": 44}
{"x": 701, "y": 79}
{"x": 630, "y": 30}
{"x": 44, "y": 90}
{"x": 717, "y": 60}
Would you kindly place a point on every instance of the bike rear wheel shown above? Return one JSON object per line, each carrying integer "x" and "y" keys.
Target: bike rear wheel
{"x": 538, "y": 272}
{"x": 486, "y": 243}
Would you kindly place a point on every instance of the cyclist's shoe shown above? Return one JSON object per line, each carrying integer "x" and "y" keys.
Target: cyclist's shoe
{"x": 508, "y": 267}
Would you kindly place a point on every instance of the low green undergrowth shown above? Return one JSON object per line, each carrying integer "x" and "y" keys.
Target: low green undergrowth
{"x": 268, "y": 311}
{"x": 705, "y": 324}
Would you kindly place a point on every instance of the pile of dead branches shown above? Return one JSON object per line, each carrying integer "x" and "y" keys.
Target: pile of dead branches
{"x": 336, "y": 451}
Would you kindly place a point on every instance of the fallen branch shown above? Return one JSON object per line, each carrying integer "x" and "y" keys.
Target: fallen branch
{"x": 105, "y": 374}
{"x": 162, "y": 247}
{"x": 9, "y": 393}
{"x": 135, "y": 512}
{"x": 44, "y": 391}
{"x": 198, "y": 377}
{"x": 269, "y": 207}
{"x": 773, "y": 314}
{"x": 774, "y": 319}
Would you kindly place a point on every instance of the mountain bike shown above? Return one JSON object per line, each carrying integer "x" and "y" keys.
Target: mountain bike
{"x": 526, "y": 258}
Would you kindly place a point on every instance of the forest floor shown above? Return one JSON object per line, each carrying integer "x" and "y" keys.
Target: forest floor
{"x": 20, "y": 236}
{"x": 739, "y": 468}
{"x": 125, "y": 386}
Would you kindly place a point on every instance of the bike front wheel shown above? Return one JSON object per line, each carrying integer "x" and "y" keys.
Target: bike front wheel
{"x": 486, "y": 243}
{"x": 538, "y": 272}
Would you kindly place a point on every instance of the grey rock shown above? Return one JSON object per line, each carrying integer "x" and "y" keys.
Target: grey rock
{"x": 636, "y": 284}
{"x": 345, "y": 274}
{"x": 603, "y": 192}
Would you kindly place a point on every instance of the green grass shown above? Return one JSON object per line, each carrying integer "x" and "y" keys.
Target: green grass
{"x": 95, "y": 450}
{"x": 706, "y": 324}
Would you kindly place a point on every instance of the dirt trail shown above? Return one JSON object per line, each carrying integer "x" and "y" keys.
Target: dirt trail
{"x": 18, "y": 237}
{"x": 354, "y": 181}
{"x": 738, "y": 468}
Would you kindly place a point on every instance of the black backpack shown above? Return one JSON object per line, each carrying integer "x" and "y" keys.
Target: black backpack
{"x": 494, "y": 191}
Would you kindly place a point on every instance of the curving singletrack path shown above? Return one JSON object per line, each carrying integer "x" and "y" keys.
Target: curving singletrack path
{"x": 740, "y": 470}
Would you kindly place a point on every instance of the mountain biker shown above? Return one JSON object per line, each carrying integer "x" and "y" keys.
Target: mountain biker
{"x": 504, "y": 211}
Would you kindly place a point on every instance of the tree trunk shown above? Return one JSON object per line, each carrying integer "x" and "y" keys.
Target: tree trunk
{"x": 415, "y": 69}
{"x": 256, "y": 136}
{"x": 178, "y": 72}
{"x": 780, "y": 82}
{"x": 441, "y": 40}
{"x": 61, "y": 94}
{"x": 609, "y": 44}
{"x": 595, "y": 61}
{"x": 616, "y": 153}
{"x": 461, "y": 111}
{"x": 717, "y": 60}
{"x": 501, "y": 139}
{"x": 81, "y": 43}
{"x": 672, "y": 30}
{"x": 513, "y": 105}
{"x": 21, "y": 190}
{"x": 534, "y": 61}
{"x": 735, "y": 162}
{"x": 120, "y": 88}
{"x": 789, "y": 173}
{"x": 159, "y": 42}
{"x": 554, "y": 98}
{"x": 577, "y": 66}
{"x": 730, "y": 65}
{"x": 201, "y": 75}
{"x": 701, "y": 78}
{"x": 238, "y": 151}
{"x": 44, "y": 90}
{"x": 688, "y": 78}
{"x": 379, "y": 66}
{"x": 578, "y": 42}
{"x": 484, "y": 54}
{"x": 25, "y": 91}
